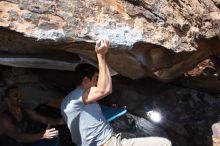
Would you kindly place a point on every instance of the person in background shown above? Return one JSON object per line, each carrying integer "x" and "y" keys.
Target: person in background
{"x": 82, "y": 113}
{"x": 14, "y": 123}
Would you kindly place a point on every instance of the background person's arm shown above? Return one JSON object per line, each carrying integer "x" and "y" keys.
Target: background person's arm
{"x": 43, "y": 119}
{"x": 12, "y": 131}
{"x": 104, "y": 85}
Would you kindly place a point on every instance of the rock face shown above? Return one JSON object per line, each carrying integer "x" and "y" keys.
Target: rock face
{"x": 156, "y": 38}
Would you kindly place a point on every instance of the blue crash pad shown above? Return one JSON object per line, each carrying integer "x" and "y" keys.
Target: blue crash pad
{"x": 111, "y": 113}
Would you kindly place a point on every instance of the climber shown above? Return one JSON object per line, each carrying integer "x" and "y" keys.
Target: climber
{"x": 82, "y": 113}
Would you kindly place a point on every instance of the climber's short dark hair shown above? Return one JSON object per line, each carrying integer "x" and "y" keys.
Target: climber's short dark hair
{"x": 84, "y": 70}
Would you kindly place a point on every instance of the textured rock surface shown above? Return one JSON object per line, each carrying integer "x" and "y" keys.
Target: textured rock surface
{"x": 146, "y": 36}
{"x": 41, "y": 61}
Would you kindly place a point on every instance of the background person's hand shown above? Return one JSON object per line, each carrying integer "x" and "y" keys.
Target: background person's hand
{"x": 102, "y": 46}
{"x": 216, "y": 130}
{"x": 50, "y": 133}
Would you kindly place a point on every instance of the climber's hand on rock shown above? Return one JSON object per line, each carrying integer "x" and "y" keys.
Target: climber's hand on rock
{"x": 102, "y": 46}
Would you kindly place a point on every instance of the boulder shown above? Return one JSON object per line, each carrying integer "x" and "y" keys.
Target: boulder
{"x": 157, "y": 38}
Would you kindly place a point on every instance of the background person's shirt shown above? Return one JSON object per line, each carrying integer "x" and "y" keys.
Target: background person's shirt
{"x": 86, "y": 123}
{"x": 23, "y": 125}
